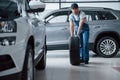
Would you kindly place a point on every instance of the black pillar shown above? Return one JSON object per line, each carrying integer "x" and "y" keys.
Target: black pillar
{"x": 59, "y": 4}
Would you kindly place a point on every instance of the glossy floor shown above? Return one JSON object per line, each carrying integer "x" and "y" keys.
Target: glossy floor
{"x": 59, "y": 68}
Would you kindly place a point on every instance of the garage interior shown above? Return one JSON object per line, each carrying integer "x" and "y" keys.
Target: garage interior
{"x": 58, "y": 64}
{"x": 59, "y": 68}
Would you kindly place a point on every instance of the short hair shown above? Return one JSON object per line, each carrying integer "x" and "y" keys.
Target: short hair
{"x": 74, "y": 6}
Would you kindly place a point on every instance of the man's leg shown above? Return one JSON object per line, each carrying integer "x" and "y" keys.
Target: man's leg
{"x": 81, "y": 46}
{"x": 85, "y": 46}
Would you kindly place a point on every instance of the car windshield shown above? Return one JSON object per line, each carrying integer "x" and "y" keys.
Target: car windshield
{"x": 8, "y": 9}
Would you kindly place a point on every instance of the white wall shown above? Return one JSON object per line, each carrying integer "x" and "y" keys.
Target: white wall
{"x": 113, "y": 5}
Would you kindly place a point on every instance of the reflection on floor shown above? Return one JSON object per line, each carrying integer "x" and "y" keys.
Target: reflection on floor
{"x": 59, "y": 68}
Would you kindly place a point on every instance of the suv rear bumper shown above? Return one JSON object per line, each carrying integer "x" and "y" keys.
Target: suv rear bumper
{"x": 16, "y": 76}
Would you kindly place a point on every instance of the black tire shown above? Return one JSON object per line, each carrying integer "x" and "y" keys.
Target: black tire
{"x": 45, "y": 45}
{"x": 29, "y": 56}
{"x": 42, "y": 63}
{"x": 74, "y": 51}
{"x": 101, "y": 50}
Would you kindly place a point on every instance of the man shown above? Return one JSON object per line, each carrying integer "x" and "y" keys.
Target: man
{"x": 80, "y": 28}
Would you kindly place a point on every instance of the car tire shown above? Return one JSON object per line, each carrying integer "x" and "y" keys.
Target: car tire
{"x": 42, "y": 63}
{"x": 107, "y": 47}
{"x": 45, "y": 45}
{"x": 28, "y": 68}
{"x": 74, "y": 51}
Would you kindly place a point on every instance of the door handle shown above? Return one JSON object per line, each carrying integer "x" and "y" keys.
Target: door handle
{"x": 65, "y": 29}
{"x": 97, "y": 27}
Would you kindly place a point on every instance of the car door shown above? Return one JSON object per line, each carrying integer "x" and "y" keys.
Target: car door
{"x": 57, "y": 28}
{"x": 94, "y": 23}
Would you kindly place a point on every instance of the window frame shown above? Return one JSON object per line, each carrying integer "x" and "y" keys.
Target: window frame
{"x": 56, "y": 15}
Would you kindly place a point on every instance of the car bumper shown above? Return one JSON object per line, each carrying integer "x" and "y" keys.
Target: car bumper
{"x": 16, "y": 76}
{"x": 14, "y": 61}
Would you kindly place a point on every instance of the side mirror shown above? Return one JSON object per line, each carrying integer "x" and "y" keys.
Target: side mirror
{"x": 44, "y": 21}
{"x": 36, "y": 6}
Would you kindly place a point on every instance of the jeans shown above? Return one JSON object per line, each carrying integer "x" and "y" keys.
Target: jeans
{"x": 84, "y": 47}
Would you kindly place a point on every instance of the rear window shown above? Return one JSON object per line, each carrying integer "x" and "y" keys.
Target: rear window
{"x": 105, "y": 15}
{"x": 91, "y": 15}
{"x": 99, "y": 15}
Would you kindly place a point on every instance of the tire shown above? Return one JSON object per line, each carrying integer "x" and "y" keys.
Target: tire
{"x": 28, "y": 69}
{"x": 45, "y": 45}
{"x": 107, "y": 47}
{"x": 74, "y": 51}
{"x": 42, "y": 63}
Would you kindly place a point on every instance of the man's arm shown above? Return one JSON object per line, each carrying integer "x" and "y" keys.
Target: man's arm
{"x": 71, "y": 28}
{"x": 82, "y": 21}
{"x": 80, "y": 26}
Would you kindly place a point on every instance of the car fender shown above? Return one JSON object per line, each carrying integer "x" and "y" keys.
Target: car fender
{"x": 24, "y": 31}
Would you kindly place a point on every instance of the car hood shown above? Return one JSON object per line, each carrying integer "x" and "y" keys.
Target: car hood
{"x": 8, "y": 9}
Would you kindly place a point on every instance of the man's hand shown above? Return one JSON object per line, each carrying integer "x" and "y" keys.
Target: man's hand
{"x": 72, "y": 35}
{"x": 78, "y": 36}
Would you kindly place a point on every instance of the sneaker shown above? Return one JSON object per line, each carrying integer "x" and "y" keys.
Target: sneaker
{"x": 86, "y": 62}
{"x": 82, "y": 61}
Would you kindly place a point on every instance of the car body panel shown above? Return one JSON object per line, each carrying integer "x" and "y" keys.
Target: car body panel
{"x": 58, "y": 29}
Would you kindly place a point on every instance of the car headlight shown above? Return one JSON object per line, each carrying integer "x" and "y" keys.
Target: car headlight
{"x": 8, "y": 26}
{"x": 7, "y": 41}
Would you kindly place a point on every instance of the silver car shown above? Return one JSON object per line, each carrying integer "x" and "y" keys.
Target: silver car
{"x": 22, "y": 39}
{"x": 104, "y": 26}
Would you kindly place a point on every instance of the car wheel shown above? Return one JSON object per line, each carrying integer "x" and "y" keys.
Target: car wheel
{"x": 28, "y": 69}
{"x": 42, "y": 63}
{"x": 74, "y": 51}
{"x": 107, "y": 47}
